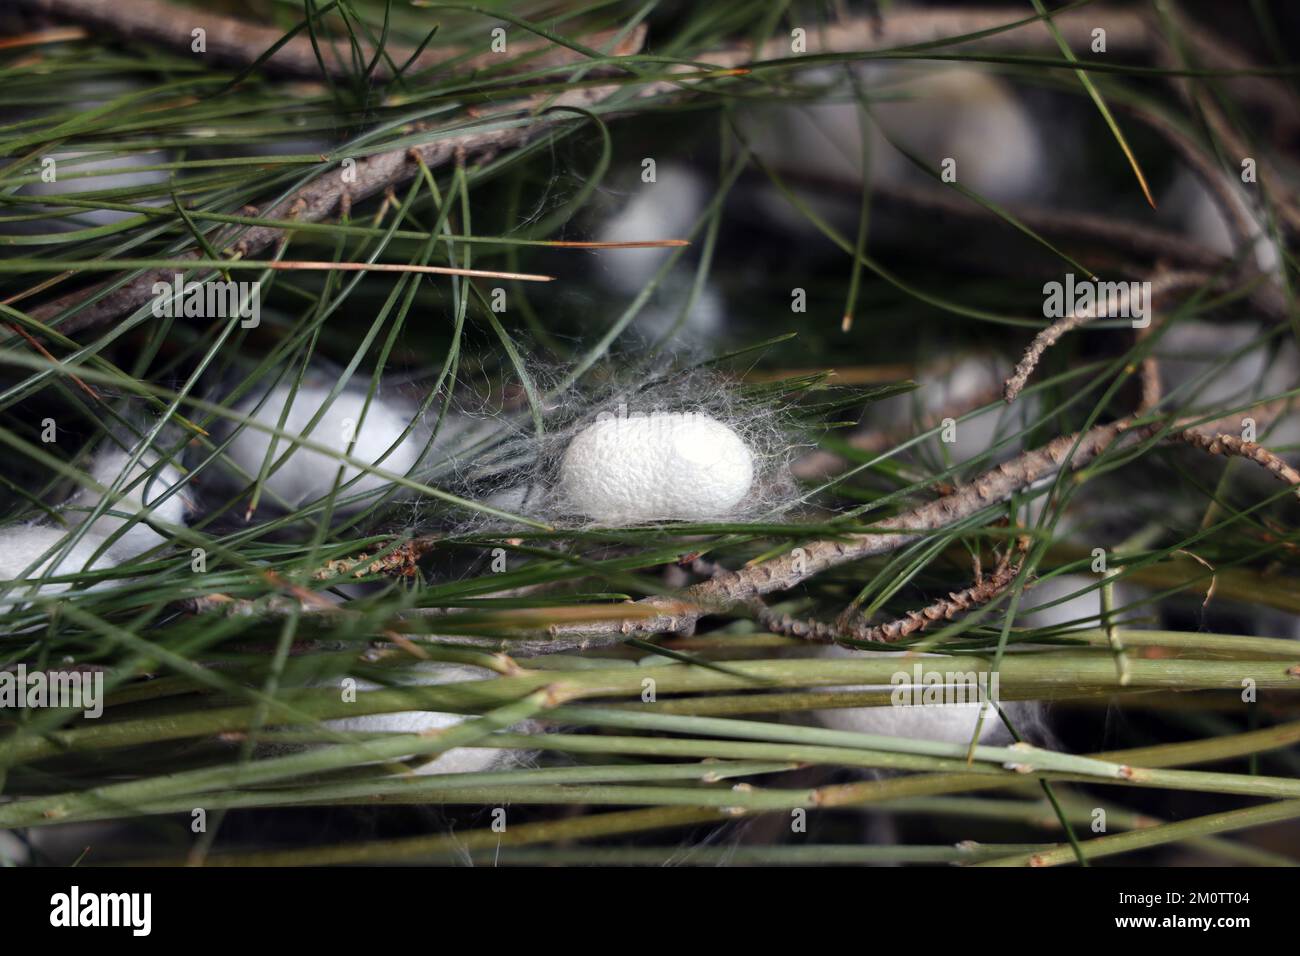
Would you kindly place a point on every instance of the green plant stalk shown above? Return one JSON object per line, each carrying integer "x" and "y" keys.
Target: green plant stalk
{"x": 723, "y": 705}
{"x": 410, "y": 789}
{"x": 1030, "y": 757}
{"x": 376, "y": 851}
{"x": 814, "y": 855}
{"x": 1040, "y": 814}
{"x": 1104, "y": 846}
{"x": 1164, "y": 755}
{"x": 276, "y": 768}
{"x": 607, "y": 824}
{"x": 1038, "y": 671}
{"x": 162, "y": 794}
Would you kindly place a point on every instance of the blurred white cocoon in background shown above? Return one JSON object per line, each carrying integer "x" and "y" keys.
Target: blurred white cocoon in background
{"x": 86, "y": 174}
{"x": 148, "y": 493}
{"x": 665, "y": 208}
{"x": 1209, "y": 365}
{"x": 456, "y": 760}
{"x": 47, "y": 551}
{"x": 344, "y": 426}
{"x": 1189, "y": 203}
{"x": 959, "y": 118}
{"x": 956, "y": 388}
{"x": 651, "y": 211}
{"x": 953, "y": 721}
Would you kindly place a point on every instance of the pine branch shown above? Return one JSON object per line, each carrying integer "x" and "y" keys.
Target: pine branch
{"x": 984, "y": 589}
{"x": 234, "y": 41}
{"x": 327, "y": 194}
{"x": 1161, "y": 285}
{"x": 1217, "y": 443}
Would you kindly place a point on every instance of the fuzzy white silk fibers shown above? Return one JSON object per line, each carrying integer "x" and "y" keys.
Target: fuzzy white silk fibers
{"x": 456, "y": 760}
{"x": 308, "y": 475}
{"x": 664, "y": 466}
{"x": 22, "y": 546}
{"x": 143, "y": 493}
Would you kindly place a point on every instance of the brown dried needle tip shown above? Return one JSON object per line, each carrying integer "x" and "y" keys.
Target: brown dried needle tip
{"x": 41, "y": 37}
{"x": 27, "y": 337}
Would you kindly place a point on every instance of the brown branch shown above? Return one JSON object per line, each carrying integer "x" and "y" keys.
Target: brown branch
{"x": 1196, "y": 96}
{"x": 1161, "y": 284}
{"x": 1110, "y": 232}
{"x": 1229, "y": 203}
{"x": 377, "y": 173}
{"x": 239, "y": 42}
{"x": 1115, "y": 235}
{"x": 1263, "y": 414}
{"x": 1282, "y": 194}
{"x": 1216, "y": 443}
{"x": 321, "y": 197}
{"x": 1149, "y": 374}
{"x": 984, "y": 589}
{"x": 398, "y": 562}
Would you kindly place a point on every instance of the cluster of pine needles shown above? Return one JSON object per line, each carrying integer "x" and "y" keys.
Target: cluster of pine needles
{"x": 499, "y": 164}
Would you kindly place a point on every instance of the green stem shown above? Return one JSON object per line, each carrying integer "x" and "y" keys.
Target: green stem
{"x": 1159, "y": 836}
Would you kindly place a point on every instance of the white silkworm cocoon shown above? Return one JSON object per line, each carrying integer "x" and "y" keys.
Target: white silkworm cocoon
{"x": 1200, "y": 366}
{"x": 22, "y": 546}
{"x": 456, "y": 760}
{"x": 663, "y": 209}
{"x": 13, "y": 852}
{"x": 1067, "y": 601}
{"x": 78, "y": 173}
{"x": 1191, "y": 206}
{"x": 973, "y": 119}
{"x": 950, "y": 722}
{"x": 144, "y": 493}
{"x": 961, "y": 122}
{"x": 664, "y": 466}
{"x": 308, "y": 475}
